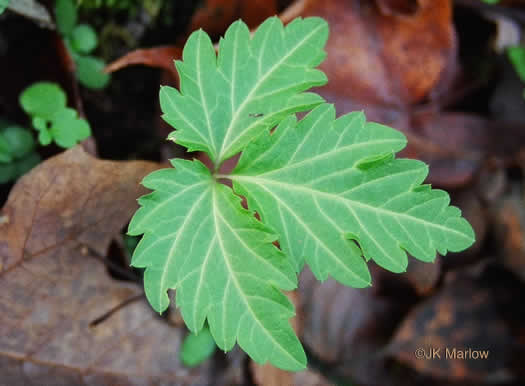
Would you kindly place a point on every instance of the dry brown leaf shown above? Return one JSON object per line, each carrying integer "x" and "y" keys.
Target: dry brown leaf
{"x": 346, "y": 328}
{"x": 69, "y": 197}
{"x": 216, "y": 15}
{"x": 508, "y": 216}
{"x": 422, "y": 277}
{"x": 381, "y": 59}
{"x": 158, "y": 57}
{"x": 386, "y": 57}
{"x": 465, "y": 315}
{"x": 56, "y": 300}
{"x": 309, "y": 378}
{"x": 398, "y": 7}
{"x": 457, "y": 145}
{"x": 454, "y": 145}
{"x": 271, "y": 376}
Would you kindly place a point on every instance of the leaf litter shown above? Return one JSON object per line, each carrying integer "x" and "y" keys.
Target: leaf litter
{"x": 462, "y": 167}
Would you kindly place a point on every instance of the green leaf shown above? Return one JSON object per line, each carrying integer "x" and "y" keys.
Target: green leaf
{"x": 516, "y": 55}
{"x": 5, "y": 152}
{"x": 330, "y": 191}
{"x": 45, "y": 137}
{"x": 40, "y": 123}
{"x": 15, "y": 143}
{"x": 197, "y": 348}
{"x": 67, "y": 129}
{"x": 84, "y": 39}
{"x": 66, "y": 16}
{"x": 90, "y": 72}
{"x": 3, "y": 5}
{"x": 309, "y": 183}
{"x": 43, "y": 99}
{"x": 7, "y": 172}
{"x": 17, "y": 168}
{"x": 227, "y": 101}
{"x": 19, "y": 140}
{"x": 220, "y": 259}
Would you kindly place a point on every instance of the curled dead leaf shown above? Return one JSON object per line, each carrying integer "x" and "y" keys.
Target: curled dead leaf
{"x": 158, "y": 57}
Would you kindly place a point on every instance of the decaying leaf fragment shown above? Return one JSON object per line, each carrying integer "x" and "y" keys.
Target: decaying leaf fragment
{"x": 55, "y": 296}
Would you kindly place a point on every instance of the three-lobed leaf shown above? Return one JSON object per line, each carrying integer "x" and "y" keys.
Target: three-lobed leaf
{"x": 330, "y": 191}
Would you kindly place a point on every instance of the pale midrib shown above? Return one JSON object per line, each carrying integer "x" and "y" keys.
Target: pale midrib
{"x": 203, "y": 99}
{"x": 188, "y": 121}
{"x": 374, "y": 181}
{"x": 407, "y": 233}
{"x": 217, "y": 216}
{"x": 180, "y": 231}
{"x": 153, "y": 211}
{"x": 263, "y": 49}
{"x": 329, "y": 154}
{"x": 254, "y": 89}
{"x": 262, "y": 182}
{"x": 309, "y": 231}
{"x": 372, "y": 238}
{"x": 348, "y": 125}
{"x": 204, "y": 264}
{"x": 234, "y": 67}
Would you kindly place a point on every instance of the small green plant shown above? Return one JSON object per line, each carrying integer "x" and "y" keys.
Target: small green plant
{"x": 45, "y": 102}
{"x": 330, "y": 191}
{"x": 17, "y": 152}
{"x": 81, "y": 40}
